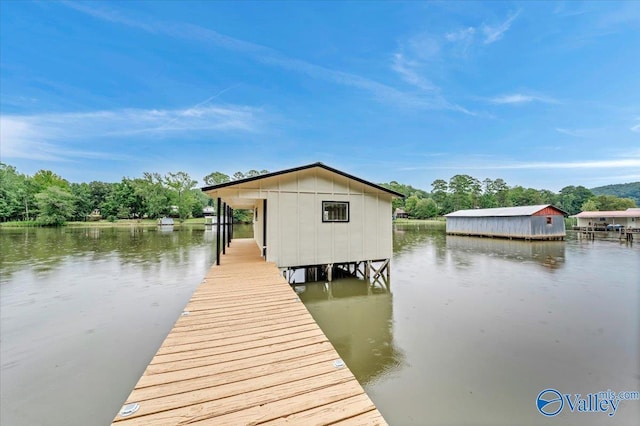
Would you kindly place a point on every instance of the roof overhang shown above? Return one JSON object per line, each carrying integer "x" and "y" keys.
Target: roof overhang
{"x": 598, "y": 214}
{"x": 230, "y": 191}
{"x": 505, "y": 211}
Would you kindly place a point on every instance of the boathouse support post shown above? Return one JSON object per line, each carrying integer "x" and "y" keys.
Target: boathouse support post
{"x": 230, "y": 225}
{"x": 224, "y": 229}
{"x": 230, "y": 221}
{"x": 218, "y": 204}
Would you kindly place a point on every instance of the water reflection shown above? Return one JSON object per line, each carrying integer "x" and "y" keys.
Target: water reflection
{"x": 549, "y": 254}
{"x": 83, "y": 310}
{"x": 358, "y": 320}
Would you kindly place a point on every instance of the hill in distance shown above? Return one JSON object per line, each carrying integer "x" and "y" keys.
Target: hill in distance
{"x": 622, "y": 190}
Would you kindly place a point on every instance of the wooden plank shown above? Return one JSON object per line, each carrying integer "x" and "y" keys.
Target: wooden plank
{"x": 328, "y": 411}
{"x": 248, "y": 352}
{"x": 220, "y": 357}
{"x": 371, "y": 418}
{"x": 290, "y": 407}
{"x": 239, "y": 364}
{"x": 208, "y": 410}
{"x": 261, "y": 332}
{"x": 213, "y": 377}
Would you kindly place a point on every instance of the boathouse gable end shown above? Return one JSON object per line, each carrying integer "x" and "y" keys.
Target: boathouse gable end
{"x": 524, "y": 222}
{"x": 315, "y": 215}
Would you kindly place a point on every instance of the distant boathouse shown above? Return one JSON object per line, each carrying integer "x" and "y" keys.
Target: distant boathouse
{"x": 541, "y": 222}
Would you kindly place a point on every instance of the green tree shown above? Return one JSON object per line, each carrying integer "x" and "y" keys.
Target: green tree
{"x": 547, "y": 197}
{"x": 425, "y": 208}
{"x": 439, "y": 189}
{"x": 43, "y": 179}
{"x": 181, "y": 185}
{"x": 16, "y": 196}
{"x": 572, "y": 197}
{"x": 153, "y": 194}
{"x": 122, "y": 202}
{"x": 55, "y": 206}
{"x": 464, "y": 189}
{"x": 201, "y": 200}
{"x": 589, "y": 206}
{"x": 611, "y": 202}
{"x": 100, "y": 191}
{"x": 215, "y": 178}
{"x": 410, "y": 205}
{"x": 501, "y": 191}
{"x": 83, "y": 203}
{"x": 238, "y": 176}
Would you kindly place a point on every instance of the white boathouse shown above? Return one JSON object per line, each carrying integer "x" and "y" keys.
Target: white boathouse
{"x": 317, "y": 218}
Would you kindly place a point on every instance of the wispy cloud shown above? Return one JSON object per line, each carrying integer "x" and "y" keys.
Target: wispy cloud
{"x": 418, "y": 56}
{"x": 495, "y": 33}
{"x": 408, "y": 70}
{"x": 614, "y": 163}
{"x": 636, "y": 127}
{"x": 53, "y": 137}
{"x": 578, "y": 133}
{"x": 271, "y": 57}
{"x": 521, "y": 98}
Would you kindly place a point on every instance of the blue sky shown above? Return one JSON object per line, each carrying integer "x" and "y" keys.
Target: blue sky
{"x": 540, "y": 94}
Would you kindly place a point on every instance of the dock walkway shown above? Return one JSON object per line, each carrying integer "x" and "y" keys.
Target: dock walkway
{"x": 247, "y": 351}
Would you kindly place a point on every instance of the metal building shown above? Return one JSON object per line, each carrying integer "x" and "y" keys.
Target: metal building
{"x": 541, "y": 222}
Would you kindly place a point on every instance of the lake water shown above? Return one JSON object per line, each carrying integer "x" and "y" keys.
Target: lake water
{"x": 469, "y": 332}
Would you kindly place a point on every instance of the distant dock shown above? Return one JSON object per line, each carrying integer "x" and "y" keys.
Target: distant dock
{"x": 246, "y": 351}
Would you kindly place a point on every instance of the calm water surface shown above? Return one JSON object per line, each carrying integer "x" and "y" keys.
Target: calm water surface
{"x": 470, "y": 331}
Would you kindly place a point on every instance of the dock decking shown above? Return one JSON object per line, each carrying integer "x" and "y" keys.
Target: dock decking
{"x": 247, "y": 351}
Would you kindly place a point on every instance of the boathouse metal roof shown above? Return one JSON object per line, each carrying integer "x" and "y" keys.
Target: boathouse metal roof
{"x": 610, "y": 213}
{"x": 297, "y": 169}
{"x": 504, "y": 211}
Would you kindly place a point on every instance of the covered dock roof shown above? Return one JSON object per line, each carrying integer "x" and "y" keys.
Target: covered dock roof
{"x": 610, "y": 213}
{"x": 506, "y": 211}
{"x": 246, "y": 183}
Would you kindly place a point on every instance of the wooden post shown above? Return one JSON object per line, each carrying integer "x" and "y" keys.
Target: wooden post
{"x": 330, "y": 272}
{"x": 218, "y": 232}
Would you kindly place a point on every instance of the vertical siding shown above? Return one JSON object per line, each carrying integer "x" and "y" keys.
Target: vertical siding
{"x": 510, "y": 226}
{"x": 296, "y": 234}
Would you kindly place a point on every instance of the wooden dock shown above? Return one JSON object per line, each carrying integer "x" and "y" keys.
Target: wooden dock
{"x": 247, "y": 351}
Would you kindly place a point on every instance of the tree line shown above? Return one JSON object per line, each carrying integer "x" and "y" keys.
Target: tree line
{"x": 467, "y": 192}
{"x": 48, "y": 199}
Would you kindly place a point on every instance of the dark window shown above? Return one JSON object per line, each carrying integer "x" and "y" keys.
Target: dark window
{"x": 335, "y": 211}
{"x": 549, "y": 220}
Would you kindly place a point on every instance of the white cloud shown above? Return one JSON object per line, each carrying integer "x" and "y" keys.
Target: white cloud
{"x": 53, "y": 136}
{"x": 495, "y": 33}
{"x": 578, "y": 133}
{"x": 613, "y": 163}
{"x": 520, "y": 98}
{"x": 461, "y": 35}
{"x": 594, "y": 164}
{"x": 636, "y": 128}
{"x": 271, "y": 57}
{"x": 409, "y": 70}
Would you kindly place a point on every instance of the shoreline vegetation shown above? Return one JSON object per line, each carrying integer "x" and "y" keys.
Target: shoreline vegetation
{"x": 102, "y": 223}
{"x": 47, "y": 199}
{"x": 440, "y": 221}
